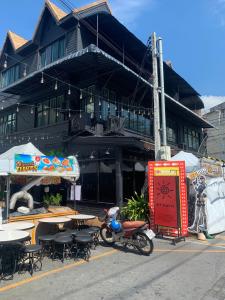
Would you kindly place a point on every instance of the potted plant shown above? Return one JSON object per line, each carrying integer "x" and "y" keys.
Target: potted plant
{"x": 52, "y": 200}
{"x": 136, "y": 208}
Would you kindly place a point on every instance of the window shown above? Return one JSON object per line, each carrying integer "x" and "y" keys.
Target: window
{"x": 49, "y": 112}
{"x": 8, "y": 124}
{"x": 10, "y": 75}
{"x": 171, "y": 131}
{"x": 52, "y": 52}
{"x": 191, "y": 138}
{"x": 89, "y": 100}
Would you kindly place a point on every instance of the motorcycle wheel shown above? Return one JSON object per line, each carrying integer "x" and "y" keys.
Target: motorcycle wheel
{"x": 107, "y": 236}
{"x": 143, "y": 243}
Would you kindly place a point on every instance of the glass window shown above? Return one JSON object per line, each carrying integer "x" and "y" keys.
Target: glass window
{"x": 10, "y": 75}
{"x": 8, "y": 124}
{"x": 52, "y": 52}
{"x": 50, "y": 112}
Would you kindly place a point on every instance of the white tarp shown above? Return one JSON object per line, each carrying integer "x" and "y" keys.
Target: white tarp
{"x": 215, "y": 205}
{"x": 192, "y": 163}
{"x": 7, "y": 158}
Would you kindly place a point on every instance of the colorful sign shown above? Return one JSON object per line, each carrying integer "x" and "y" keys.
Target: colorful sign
{"x": 168, "y": 195}
{"x": 46, "y": 165}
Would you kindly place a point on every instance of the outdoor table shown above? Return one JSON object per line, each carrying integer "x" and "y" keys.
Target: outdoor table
{"x": 56, "y": 221}
{"x": 8, "y": 236}
{"x": 81, "y": 218}
{"x": 17, "y": 226}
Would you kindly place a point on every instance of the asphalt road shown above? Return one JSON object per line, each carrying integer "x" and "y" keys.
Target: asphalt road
{"x": 189, "y": 270}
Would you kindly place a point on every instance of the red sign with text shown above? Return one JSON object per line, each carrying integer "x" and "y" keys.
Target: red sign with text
{"x": 165, "y": 199}
{"x": 168, "y": 196}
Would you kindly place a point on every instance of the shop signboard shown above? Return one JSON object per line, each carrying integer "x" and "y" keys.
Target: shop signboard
{"x": 168, "y": 196}
{"x": 45, "y": 165}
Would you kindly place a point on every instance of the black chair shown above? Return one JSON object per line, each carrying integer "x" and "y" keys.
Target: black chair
{"x": 32, "y": 259}
{"x": 10, "y": 254}
{"x": 46, "y": 242}
{"x": 62, "y": 246}
{"x": 83, "y": 245}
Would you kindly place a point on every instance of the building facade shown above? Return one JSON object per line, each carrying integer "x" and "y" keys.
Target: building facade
{"x": 216, "y": 136}
{"x": 83, "y": 85}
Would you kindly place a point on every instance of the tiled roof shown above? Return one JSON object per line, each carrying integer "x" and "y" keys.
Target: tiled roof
{"x": 91, "y": 5}
{"x": 57, "y": 12}
{"x": 17, "y": 41}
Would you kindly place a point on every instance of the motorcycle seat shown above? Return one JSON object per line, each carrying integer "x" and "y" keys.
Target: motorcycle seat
{"x": 133, "y": 224}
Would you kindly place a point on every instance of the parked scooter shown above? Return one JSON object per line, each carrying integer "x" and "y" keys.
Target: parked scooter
{"x": 129, "y": 233}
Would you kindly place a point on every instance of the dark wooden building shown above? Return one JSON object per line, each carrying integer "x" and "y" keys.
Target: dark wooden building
{"x": 82, "y": 86}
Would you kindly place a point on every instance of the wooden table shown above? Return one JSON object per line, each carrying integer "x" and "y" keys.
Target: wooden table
{"x": 12, "y": 236}
{"x": 17, "y": 226}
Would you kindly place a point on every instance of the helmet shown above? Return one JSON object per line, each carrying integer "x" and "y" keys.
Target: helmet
{"x": 115, "y": 225}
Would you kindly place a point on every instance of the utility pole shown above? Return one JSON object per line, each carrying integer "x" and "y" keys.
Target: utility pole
{"x": 156, "y": 98}
{"x": 163, "y": 109}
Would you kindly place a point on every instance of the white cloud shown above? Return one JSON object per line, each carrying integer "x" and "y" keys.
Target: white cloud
{"x": 210, "y": 101}
{"x": 127, "y": 11}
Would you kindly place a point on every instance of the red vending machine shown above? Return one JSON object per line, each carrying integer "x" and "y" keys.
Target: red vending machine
{"x": 168, "y": 198}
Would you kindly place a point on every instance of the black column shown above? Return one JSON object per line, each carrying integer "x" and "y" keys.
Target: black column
{"x": 119, "y": 178}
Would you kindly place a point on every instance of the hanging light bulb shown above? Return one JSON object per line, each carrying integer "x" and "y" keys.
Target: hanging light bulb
{"x": 32, "y": 110}
{"x": 122, "y": 109}
{"x": 5, "y": 62}
{"x": 99, "y": 103}
{"x": 69, "y": 91}
{"x": 42, "y": 77}
{"x": 108, "y": 106}
{"x": 80, "y": 114}
{"x": 81, "y": 95}
{"x": 100, "y": 116}
{"x": 107, "y": 152}
{"x": 17, "y": 109}
{"x": 91, "y": 99}
{"x": 56, "y": 85}
{"x": 2, "y": 108}
{"x": 57, "y": 113}
{"x": 25, "y": 71}
{"x": 92, "y": 155}
{"x": 69, "y": 115}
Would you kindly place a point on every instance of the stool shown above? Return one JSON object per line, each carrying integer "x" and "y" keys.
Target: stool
{"x": 83, "y": 246}
{"x": 32, "y": 258}
{"x": 63, "y": 243}
{"x": 47, "y": 243}
{"x": 94, "y": 232}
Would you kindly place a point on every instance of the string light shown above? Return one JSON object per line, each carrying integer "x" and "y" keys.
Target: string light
{"x": 81, "y": 95}
{"x": 5, "y": 62}
{"x": 56, "y": 86}
{"x": 25, "y": 71}
{"x": 69, "y": 115}
{"x": 42, "y": 77}
{"x": 31, "y": 110}
{"x": 69, "y": 91}
{"x": 80, "y": 114}
{"x": 57, "y": 113}
{"x": 17, "y": 109}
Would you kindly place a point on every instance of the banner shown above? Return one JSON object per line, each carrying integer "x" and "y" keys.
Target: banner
{"x": 165, "y": 200}
{"x": 45, "y": 166}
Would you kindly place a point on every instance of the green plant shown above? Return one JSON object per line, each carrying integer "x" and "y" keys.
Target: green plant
{"x": 136, "y": 208}
{"x": 55, "y": 152}
{"x": 54, "y": 200}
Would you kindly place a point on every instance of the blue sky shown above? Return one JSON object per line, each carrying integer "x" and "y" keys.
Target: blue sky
{"x": 193, "y": 33}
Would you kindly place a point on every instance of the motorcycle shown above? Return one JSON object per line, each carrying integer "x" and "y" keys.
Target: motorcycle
{"x": 129, "y": 233}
